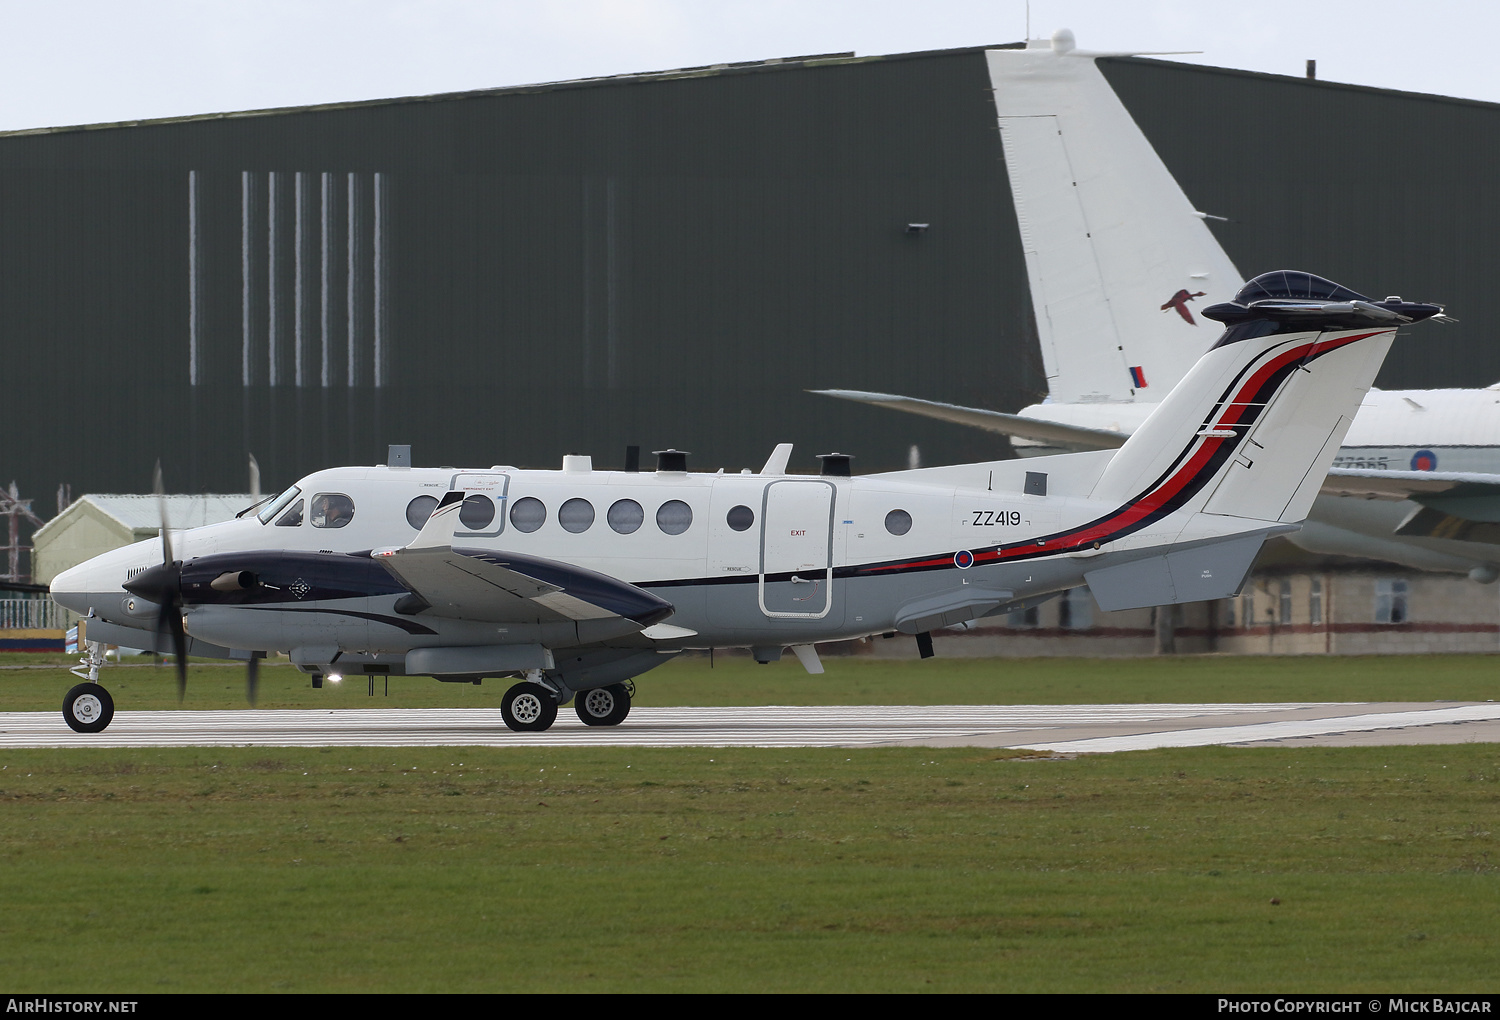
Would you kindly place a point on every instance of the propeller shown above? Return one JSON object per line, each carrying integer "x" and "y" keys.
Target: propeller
{"x": 163, "y": 585}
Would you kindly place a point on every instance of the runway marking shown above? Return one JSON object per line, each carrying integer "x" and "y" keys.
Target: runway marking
{"x": 1065, "y": 728}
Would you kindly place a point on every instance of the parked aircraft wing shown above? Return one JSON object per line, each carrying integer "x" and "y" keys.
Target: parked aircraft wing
{"x": 1074, "y": 437}
{"x": 1417, "y": 485}
{"x": 1460, "y": 506}
{"x": 502, "y": 587}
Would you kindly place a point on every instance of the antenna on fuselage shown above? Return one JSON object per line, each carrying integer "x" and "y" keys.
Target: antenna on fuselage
{"x": 776, "y": 463}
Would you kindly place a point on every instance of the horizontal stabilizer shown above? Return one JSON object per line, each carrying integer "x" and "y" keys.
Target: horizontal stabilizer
{"x": 1212, "y": 571}
{"x": 1073, "y": 437}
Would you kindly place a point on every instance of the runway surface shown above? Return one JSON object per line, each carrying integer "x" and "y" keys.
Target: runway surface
{"x": 1064, "y": 729}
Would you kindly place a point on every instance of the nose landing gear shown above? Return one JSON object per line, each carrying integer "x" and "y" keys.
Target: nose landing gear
{"x": 88, "y": 708}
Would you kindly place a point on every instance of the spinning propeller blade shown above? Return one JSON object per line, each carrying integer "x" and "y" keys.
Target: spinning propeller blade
{"x": 169, "y": 586}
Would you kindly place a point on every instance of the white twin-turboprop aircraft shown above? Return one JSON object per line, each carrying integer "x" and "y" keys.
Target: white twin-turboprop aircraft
{"x": 577, "y": 580}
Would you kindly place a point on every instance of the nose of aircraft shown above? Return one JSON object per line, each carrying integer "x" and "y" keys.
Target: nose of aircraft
{"x": 70, "y": 589}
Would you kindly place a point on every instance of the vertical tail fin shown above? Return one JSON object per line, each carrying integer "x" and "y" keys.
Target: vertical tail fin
{"x": 1251, "y": 430}
{"x": 1120, "y": 264}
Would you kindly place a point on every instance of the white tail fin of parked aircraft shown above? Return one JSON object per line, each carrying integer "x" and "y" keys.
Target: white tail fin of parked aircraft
{"x": 1119, "y": 260}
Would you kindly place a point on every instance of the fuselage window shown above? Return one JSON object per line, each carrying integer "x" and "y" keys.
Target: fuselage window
{"x": 477, "y": 512}
{"x": 898, "y": 522}
{"x": 576, "y": 515}
{"x": 674, "y": 517}
{"x": 625, "y": 516}
{"x": 292, "y": 518}
{"x": 527, "y": 515}
{"x": 332, "y": 510}
{"x": 419, "y": 509}
{"x": 740, "y": 518}
{"x": 280, "y": 504}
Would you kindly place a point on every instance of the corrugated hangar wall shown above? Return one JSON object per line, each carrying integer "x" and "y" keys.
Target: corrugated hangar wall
{"x": 504, "y": 277}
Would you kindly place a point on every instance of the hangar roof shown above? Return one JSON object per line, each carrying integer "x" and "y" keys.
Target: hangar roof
{"x": 141, "y": 513}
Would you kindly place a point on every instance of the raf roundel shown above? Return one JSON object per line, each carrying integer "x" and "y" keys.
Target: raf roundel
{"x": 963, "y": 559}
{"x": 1424, "y": 460}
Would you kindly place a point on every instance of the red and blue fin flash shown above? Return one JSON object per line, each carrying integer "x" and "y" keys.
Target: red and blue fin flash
{"x": 1137, "y": 377}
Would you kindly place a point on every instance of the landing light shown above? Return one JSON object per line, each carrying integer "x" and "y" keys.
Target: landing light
{"x": 334, "y": 678}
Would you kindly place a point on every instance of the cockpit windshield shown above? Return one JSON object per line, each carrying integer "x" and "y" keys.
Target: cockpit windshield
{"x": 280, "y": 502}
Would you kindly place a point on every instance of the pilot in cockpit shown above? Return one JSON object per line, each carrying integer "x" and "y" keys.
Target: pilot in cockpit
{"x": 332, "y": 510}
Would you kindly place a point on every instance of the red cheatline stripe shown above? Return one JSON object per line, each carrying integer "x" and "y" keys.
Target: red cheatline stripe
{"x": 1152, "y": 501}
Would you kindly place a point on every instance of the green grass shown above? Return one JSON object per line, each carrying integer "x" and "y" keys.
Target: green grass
{"x": 849, "y": 680}
{"x": 571, "y": 869}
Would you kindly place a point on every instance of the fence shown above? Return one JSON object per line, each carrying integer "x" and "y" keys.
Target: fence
{"x": 32, "y": 614}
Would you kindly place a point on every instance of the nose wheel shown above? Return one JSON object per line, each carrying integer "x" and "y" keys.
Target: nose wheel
{"x": 88, "y": 708}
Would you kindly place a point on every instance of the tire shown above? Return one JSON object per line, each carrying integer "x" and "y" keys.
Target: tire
{"x": 88, "y": 708}
{"x": 603, "y": 706}
{"x": 528, "y": 708}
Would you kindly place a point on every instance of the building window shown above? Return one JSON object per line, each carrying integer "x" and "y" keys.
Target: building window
{"x": 1075, "y": 610}
{"x": 1390, "y": 600}
{"x": 1030, "y": 617}
{"x": 1315, "y": 602}
{"x": 1248, "y": 617}
{"x": 1284, "y": 602}
{"x": 1229, "y": 612}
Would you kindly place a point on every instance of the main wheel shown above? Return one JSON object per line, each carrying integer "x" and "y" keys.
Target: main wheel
{"x": 603, "y": 706}
{"x": 528, "y": 707}
{"x": 88, "y": 708}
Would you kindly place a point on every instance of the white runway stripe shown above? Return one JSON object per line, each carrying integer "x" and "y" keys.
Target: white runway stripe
{"x": 1068, "y": 728}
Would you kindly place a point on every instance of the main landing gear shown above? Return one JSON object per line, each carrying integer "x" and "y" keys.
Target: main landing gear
{"x": 603, "y": 706}
{"x": 531, "y": 706}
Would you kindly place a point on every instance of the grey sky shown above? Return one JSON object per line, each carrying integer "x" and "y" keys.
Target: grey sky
{"x": 90, "y": 61}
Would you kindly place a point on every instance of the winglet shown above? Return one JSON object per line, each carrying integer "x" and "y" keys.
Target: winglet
{"x": 437, "y": 533}
{"x": 776, "y": 463}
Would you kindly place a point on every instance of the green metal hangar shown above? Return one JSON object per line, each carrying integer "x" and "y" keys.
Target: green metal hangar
{"x": 665, "y": 259}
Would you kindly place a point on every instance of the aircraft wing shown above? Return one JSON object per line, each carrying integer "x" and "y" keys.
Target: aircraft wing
{"x": 1461, "y": 506}
{"x": 504, "y": 587}
{"x": 1053, "y": 433}
{"x": 1415, "y": 485}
